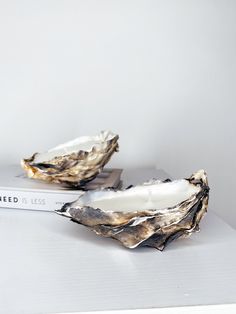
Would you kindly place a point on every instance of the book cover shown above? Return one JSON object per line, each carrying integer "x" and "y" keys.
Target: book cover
{"x": 18, "y": 191}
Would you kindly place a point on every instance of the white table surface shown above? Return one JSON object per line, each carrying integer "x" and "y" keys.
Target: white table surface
{"x": 50, "y": 265}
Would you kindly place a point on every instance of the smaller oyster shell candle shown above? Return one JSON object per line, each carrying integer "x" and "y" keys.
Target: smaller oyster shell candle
{"x": 73, "y": 163}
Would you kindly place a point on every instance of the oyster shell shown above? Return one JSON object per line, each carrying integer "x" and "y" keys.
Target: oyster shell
{"x": 73, "y": 163}
{"x": 152, "y": 214}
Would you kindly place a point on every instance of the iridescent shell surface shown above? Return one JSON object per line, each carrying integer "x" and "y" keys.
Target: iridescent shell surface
{"x": 73, "y": 163}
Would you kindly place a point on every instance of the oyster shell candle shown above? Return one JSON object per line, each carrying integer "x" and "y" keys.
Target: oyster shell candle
{"x": 73, "y": 163}
{"x": 152, "y": 214}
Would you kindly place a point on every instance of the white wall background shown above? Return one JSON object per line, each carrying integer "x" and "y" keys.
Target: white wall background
{"x": 162, "y": 74}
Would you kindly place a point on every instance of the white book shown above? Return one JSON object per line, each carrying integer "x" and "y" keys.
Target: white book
{"x": 18, "y": 191}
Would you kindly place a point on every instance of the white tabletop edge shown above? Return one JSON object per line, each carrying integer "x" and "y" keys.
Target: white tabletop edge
{"x": 201, "y": 309}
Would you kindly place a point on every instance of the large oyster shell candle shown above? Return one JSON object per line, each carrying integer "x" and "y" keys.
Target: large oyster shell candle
{"x": 73, "y": 163}
{"x": 152, "y": 214}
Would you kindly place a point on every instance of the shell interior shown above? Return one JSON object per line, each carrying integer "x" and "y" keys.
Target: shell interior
{"x": 155, "y": 196}
{"x": 83, "y": 143}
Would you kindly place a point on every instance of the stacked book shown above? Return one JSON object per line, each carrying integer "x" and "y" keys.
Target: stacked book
{"x": 18, "y": 191}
